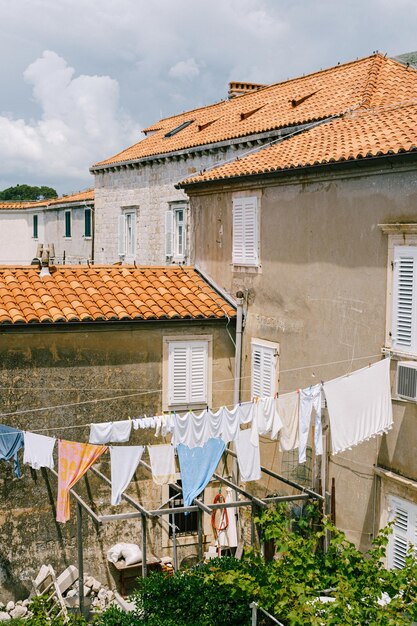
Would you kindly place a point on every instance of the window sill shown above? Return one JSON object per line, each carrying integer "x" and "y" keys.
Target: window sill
{"x": 397, "y": 355}
{"x": 249, "y": 269}
{"x": 87, "y": 238}
{"x": 186, "y": 407}
{"x": 67, "y": 238}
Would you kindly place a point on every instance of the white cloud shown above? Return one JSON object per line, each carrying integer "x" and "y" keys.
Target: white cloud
{"x": 184, "y": 69}
{"x": 81, "y": 121}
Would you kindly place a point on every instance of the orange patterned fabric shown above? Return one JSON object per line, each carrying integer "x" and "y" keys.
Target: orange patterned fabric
{"x": 74, "y": 459}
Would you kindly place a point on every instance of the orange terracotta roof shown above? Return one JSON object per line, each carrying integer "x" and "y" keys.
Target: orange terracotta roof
{"x": 107, "y": 293}
{"x": 371, "y": 81}
{"x": 74, "y": 197}
{"x": 358, "y": 135}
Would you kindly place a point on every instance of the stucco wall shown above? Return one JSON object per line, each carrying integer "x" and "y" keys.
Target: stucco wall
{"x": 321, "y": 294}
{"x": 47, "y": 367}
{"x": 17, "y": 245}
{"x": 75, "y": 249}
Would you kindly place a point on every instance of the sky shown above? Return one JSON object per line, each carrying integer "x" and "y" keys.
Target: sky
{"x": 80, "y": 79}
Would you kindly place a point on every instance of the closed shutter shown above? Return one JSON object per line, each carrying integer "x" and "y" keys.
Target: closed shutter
{"x": 404, "y": 531}
{"x": 245, "y": 231}
{"x": 198, "y": 371}
{"x": 187, "y": 373}
{"x": 263, "y": 370}
{"x": 169, "y": 233}
{"x": 122, "y": 235}
{"x": 132, "y": 250}
{"x": 404, "y": 299}
{"x": 178, "y": 373}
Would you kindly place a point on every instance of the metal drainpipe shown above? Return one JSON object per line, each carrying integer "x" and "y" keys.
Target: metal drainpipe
{"x": 238, "y": 349}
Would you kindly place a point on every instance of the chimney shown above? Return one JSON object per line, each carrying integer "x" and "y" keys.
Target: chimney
{"x": 238, "y": 89}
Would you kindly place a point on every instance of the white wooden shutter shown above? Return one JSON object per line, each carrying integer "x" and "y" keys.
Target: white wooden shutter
{"x": 178, "y": 373}
{"x": 169, "y": 233}
{"x": 133, "y": 214}
{"x": 198, "y": 371}
{"x": 245, "y": 231}
{"x": 404, "y": 298}
{"x": 122, "y": 235}
{"x": 263, "y": 370}
{"x": 187, "y": 373}
{"x": 404, "y": 531}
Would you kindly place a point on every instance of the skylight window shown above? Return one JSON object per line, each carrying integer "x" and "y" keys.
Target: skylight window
{"x": 177, "y": 129}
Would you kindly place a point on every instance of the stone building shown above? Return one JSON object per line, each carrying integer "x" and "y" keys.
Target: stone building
{"x": 81, "y": 345}
{"x": 141, "y": 217}
{"x": 319, "y": 233}
{"x": 66, "y": 222}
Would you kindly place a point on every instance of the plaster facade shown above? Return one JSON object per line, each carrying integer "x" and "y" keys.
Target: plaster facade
{"x": 48, "y": 366}
{"x": 320, "y": 292}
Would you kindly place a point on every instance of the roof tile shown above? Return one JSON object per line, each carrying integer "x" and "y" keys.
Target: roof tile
{"x": 70, "y": 294}
{"x": 372, "y": 81}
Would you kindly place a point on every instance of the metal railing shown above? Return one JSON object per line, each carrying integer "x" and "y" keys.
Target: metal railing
{"x": 254, "y": 606}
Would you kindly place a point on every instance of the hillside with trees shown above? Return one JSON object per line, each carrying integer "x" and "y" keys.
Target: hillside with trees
{"x": 21, "y": 193}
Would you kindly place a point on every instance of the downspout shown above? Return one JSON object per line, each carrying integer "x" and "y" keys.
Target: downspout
{"x": 238, "y": 348}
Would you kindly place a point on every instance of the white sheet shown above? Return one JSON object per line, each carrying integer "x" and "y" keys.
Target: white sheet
{"x": 287, "y": 406}
{"x": 248, "y": 456}
{"x": 162, "y": 463}
{"x": 359, "y": 405}
{"x": 116, "y": 432}
{"x": 124, "y": 461}
{"x": 38, "y": 450}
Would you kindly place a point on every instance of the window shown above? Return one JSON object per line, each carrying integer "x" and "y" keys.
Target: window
{"x": 35, "y": 224}
{"x": 188, "y": 373}
{"x": 185, "y": 524}
{"x": 264, "y": 368}
{"x": 404, "y": 531}
{"x": 127, "y": 234}
{"x": 404, "y": 299}
{"x": 68, "y": 223}
{"x": 177, "y": 129}
{"x": 175, "y": 232}
{"x": 245, "y": 231}
{"x": 87, "y": 222}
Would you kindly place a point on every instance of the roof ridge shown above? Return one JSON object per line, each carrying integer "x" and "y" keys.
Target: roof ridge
{"x": 372, "y": 81}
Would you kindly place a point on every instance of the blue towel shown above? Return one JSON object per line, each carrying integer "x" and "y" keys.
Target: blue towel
{"x": 11, "y": 440}
{"x": 197, "y": 466}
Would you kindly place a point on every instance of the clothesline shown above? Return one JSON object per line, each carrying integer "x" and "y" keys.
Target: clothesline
{"x": 359, "y": 407}
{"x": 146, "y": 392}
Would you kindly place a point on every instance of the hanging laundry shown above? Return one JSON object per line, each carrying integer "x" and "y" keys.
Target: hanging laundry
{"x": 191, "y": 429}
{"x": 267, "y": 416}
{"x": 248, "y": 456}
{"x": 124, "y": 462}
{"x": 116, "y": 432}
{"x": 11, "y": 440}
{"x": 359, "y": 405}
{"x": 162, "y": 463}
{"x": 197, "y": 466}
{"x": 167, "y": 424}
{"x": 287, "y": 407}
{"x": 228, "y": 536}
{"x": 245, "y": 412}
{"x": 74, "y": 459}
{"x": 38, "y": 450}
{"x": 310, "y": 400}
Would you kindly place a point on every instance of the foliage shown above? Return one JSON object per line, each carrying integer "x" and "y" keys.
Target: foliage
{"x": 289, "y": 587}
{"x": 27, "y": 192}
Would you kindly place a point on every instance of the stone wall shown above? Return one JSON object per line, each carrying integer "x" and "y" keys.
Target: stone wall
{"x": 46, "y": 367}
{"x": 150, "y": 187}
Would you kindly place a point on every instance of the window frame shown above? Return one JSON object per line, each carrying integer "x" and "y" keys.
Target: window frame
{"x": 67, "y": 224}
{"x": 266, "y": 348}
{"x": 246, "y": 213}
{"x": 126, "y": 252}
{"x": 88, "y": 232}
{"x": 35, "y": 226}
{"x": 174, "y": 241}
{"x": 408, "y": 536}
{"x": 404, "y": 238}
{"x": 167, "y": 382}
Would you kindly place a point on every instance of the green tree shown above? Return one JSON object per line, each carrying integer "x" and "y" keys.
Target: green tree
{"x": 27, "y": 192}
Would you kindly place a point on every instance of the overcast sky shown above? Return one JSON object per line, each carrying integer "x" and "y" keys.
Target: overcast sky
{"x": 81, "y": 78}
